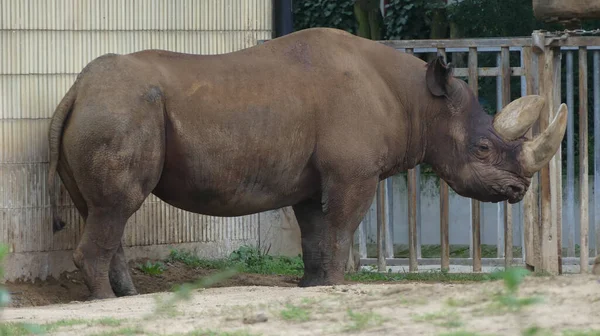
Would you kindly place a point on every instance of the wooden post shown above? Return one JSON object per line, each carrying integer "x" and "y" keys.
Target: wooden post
{"x": 583, "y": 160}
{"x": 550, "y": 226}
{"x": 475, "y": 205}
{"x": 381, "y": 226}
{"x": 412, "y": 214}
{"x": 508, "y": 222}
{"x": 444, "y": 234}
{"x": 530, "y": 205}
{"x": 444, "y": 212}
{"x": 412, "y": 221}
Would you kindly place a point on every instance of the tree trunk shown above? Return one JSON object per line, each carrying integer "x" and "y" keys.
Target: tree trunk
{"x": 566, "y": 9}
{"x": 369, "y": 18}
{"x": 439, "y": 27}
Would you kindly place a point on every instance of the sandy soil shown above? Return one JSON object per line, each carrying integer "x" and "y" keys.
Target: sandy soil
{"x": 70, "y": 286}
{"x": 569, "y": 302}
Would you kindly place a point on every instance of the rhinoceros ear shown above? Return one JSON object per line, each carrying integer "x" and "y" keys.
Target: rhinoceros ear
{"x": 437, "y": 76}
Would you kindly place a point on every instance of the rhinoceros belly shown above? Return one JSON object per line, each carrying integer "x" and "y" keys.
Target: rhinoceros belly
{"x": 219, "y": 170}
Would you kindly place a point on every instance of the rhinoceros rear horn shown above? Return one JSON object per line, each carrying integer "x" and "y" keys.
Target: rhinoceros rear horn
{"x": 538, "y": 152}
{"x": 517, "y": 117}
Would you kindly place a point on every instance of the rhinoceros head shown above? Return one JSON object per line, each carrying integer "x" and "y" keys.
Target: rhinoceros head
{"x": 483, "y": 157}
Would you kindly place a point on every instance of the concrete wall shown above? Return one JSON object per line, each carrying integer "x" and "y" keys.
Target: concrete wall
{"x": 43, "y": 46}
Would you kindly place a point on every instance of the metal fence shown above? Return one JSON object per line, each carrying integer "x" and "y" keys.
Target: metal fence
{"x": 542, "y": 59}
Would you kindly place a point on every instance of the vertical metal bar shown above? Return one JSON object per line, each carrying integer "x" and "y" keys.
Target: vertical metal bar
{"x": 381, "y": 226}
{"x": 500, "y": 206}
{"x": 414, "y": 243}
{"x": 475, "y": 205}
{"x": 583, "y": 161}
{"x": 444, "y": 213}
{"x": 596, "y": 79}
{"x": 570, "y": 192}
{"x": 508, "y": 220}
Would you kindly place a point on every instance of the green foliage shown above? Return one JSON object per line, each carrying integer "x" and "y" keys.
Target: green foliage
{"x": 430, "y": 276}
{"x": 360, "y": 321}
{"x": 295, "y": 313}
{"x": 513, "y": 277}
{"x": 4, "y": 295}
{"x": 190, "y": 260}
{"x": 323, "y": 13}
{"x": 409, "y": 19}
{"x": 150, "y": 268}
{"x": 254, "y": 261}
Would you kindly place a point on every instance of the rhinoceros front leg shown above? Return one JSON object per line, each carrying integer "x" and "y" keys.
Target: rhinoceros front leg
{"x": 119, "y": 275}
{"x": 327, "y": 228}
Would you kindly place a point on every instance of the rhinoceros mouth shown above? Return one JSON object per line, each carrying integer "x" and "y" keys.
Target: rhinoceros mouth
{"x": 513, "y": 193}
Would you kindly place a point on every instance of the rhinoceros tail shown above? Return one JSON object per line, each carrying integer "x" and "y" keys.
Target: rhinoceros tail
{"x": 54, "y": 137}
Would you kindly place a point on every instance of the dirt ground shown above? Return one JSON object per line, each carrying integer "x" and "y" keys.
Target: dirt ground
{"x": 256, "y": 307}
{"x": 70, "y": 286}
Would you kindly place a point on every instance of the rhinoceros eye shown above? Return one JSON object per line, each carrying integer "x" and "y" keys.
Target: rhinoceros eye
{"x": 483, "y": 148}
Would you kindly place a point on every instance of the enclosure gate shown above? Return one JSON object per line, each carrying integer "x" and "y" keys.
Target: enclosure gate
{"x": 541, "y": 225}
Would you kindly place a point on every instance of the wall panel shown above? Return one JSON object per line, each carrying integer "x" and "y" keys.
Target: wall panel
{"x": 44, "y": 44}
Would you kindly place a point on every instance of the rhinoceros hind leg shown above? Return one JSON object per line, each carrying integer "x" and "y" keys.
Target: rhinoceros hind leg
{"x": 95, "y": 251}
{"x": 119, "y": 275}
{"x": 327, "y": 229}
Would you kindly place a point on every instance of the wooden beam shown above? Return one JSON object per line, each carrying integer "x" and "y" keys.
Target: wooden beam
{"x": 583, "y": 160}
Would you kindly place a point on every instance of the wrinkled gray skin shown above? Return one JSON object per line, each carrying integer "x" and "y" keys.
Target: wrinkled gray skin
{"x": 312, "y": 120}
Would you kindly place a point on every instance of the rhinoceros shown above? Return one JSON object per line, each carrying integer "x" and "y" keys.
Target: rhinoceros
{"x": 312, "y": 120}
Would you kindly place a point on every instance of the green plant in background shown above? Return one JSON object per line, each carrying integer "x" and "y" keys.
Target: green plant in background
{"x": 150, "y": 268}
{"x": 251, "y": 260}
{"x": 408, "y": 19}
{"x": 4, "y": 295}
{"x": 323, "y": 13}
{"x": 295, "y": 313}
{"x": 12, "y": 328}
{"x": 513, "y": 277}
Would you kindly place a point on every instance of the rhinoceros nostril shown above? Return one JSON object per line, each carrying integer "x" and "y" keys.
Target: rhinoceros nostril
{"x": 515, "y": 189}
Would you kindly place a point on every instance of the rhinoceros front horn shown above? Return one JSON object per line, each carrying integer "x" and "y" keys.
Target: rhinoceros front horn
{"x": 537, "y": 153}
{"x": 517, "y": 117}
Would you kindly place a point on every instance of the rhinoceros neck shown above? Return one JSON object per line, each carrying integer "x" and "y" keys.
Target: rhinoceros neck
{"x": 419, "y": 113}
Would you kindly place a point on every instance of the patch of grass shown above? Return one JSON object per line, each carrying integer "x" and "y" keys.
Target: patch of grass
{"x": 447, "y": 319}
{"x": 48, "y": 327}
{"x": 435, "y": 251}
{"x": 246, "y": 259}
{"x": 152, "y": 268}
{"x": 254, "y": 261}
{"x": 191, "y": 260}
{"x": 534, "y": 331}
{"x": 452, "y": 302}
{"x": 19, "y": 329}
{"x": 513, "y": 277}
{"x": 430, "y": 276}
{"x": 360, "y": 321}
{"x": 218, "y": 333}
{"x": 123, "y": 332}
{"x": 109, "y": 321}
{"x": 183, "y": 292}
{"x": 460, "y": 333}
{"x": 581, "y": 333}
{"x": 295, "y": 313}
